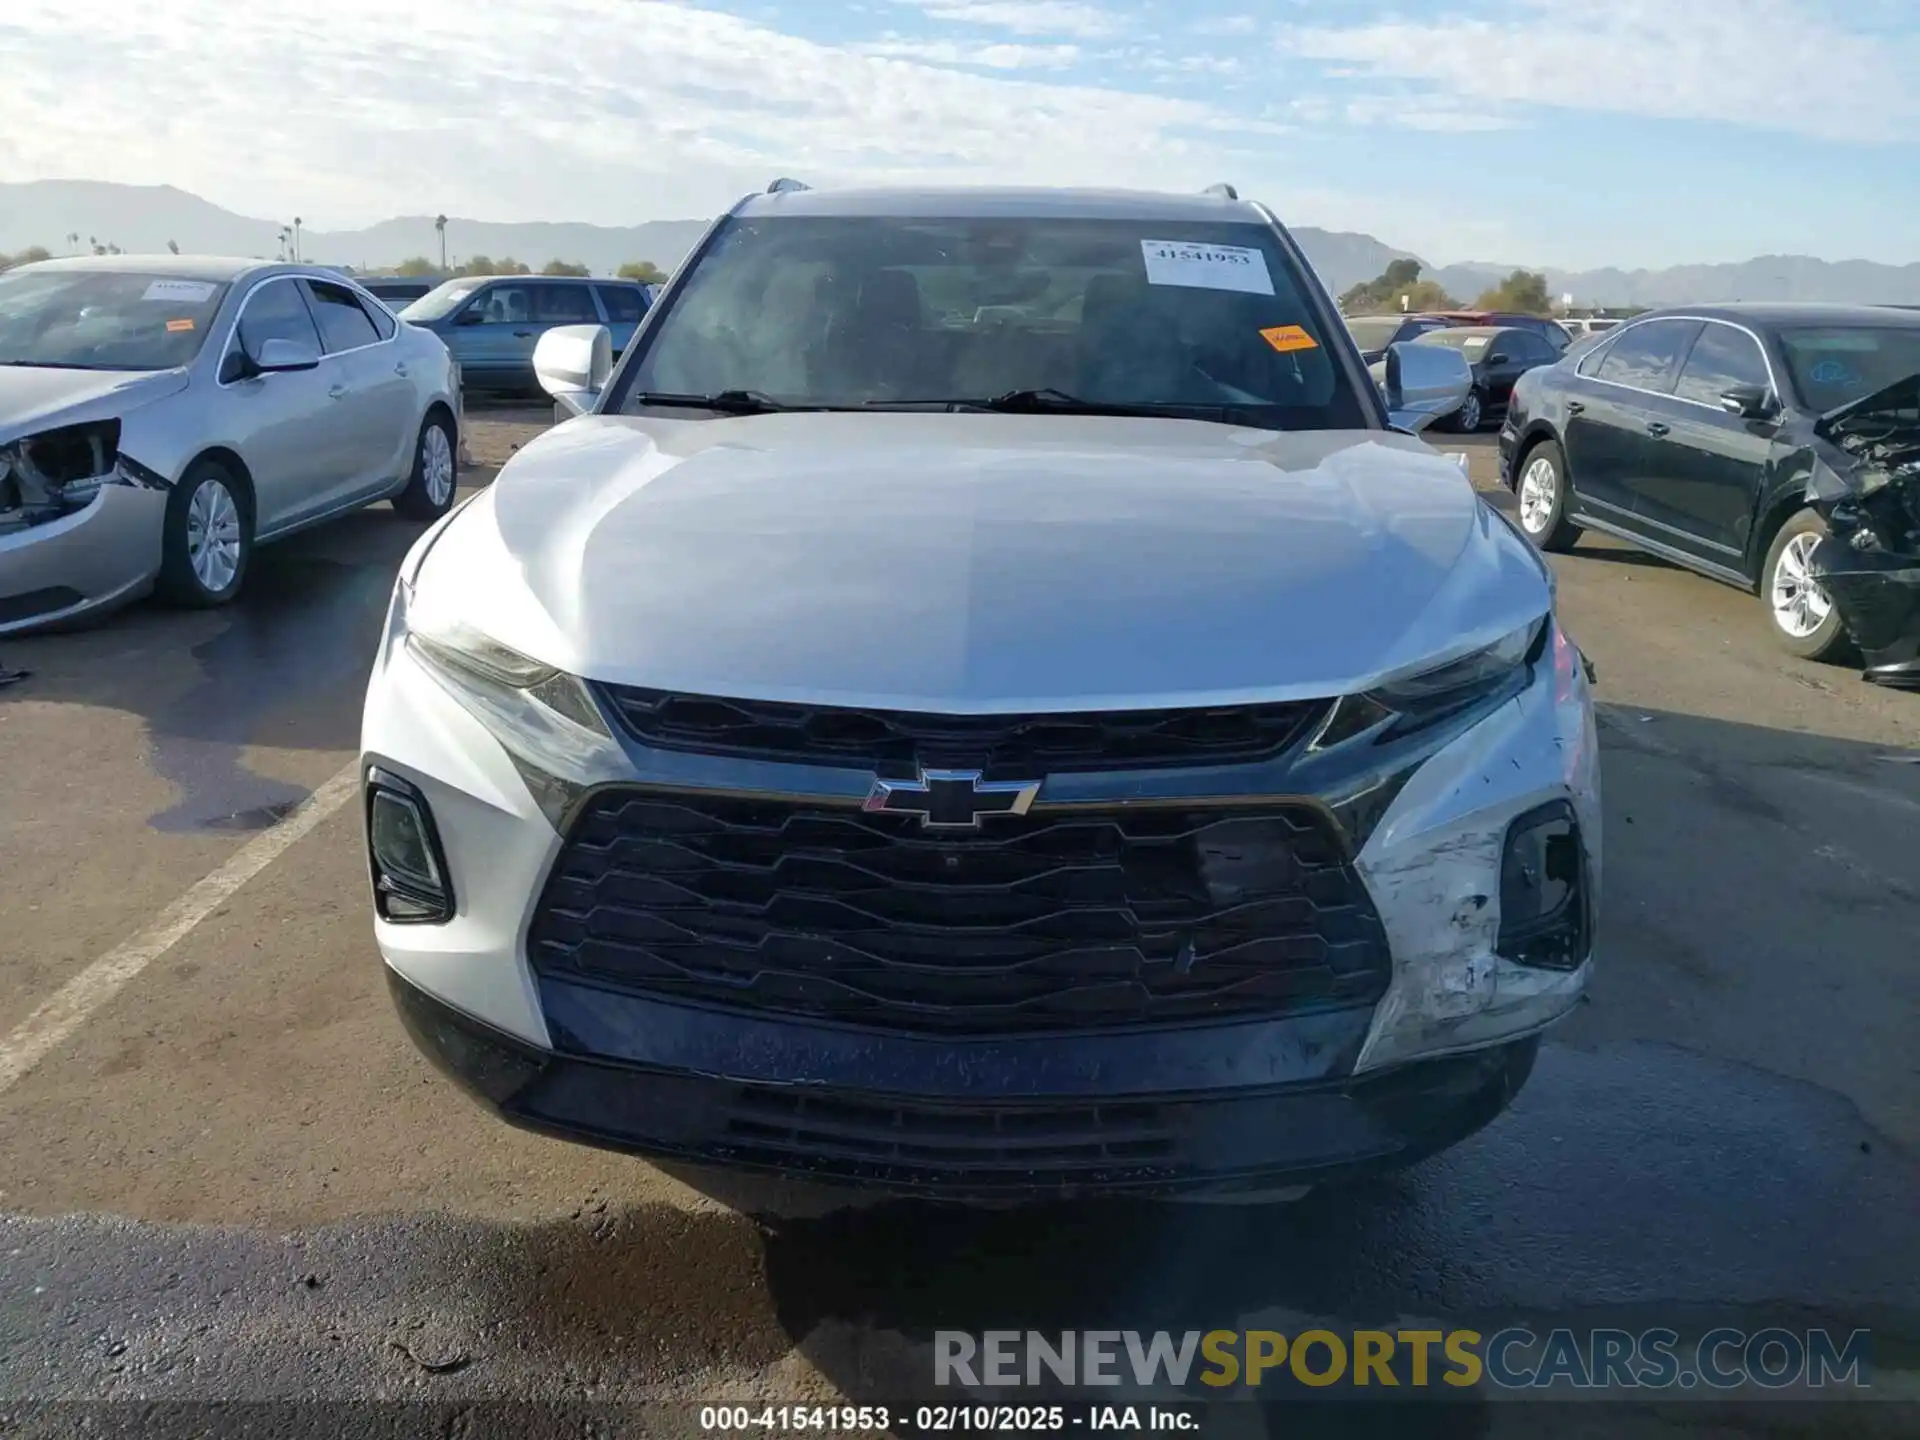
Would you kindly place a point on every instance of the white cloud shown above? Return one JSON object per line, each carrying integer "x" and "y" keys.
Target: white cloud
{"x": 1162, "y": 63}
{"x": 604, "y": 110}
{"x": 1026, "y": 17}
{"x": 984, "y": 57}
{"x": 1778, "y": 64}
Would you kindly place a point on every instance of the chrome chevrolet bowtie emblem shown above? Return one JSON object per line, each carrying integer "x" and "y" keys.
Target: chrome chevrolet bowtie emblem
{"x": 951, "y": 799}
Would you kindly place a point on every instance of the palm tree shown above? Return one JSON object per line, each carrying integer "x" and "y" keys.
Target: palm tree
{"x": 440, "y": 224}
{"x": 73, "y": 240}
{"x": 296, "y": 238}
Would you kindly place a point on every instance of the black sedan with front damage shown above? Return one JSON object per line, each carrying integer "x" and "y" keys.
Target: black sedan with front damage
{"x": 1776, "y": 447}
{"x": 1497, "y": 356}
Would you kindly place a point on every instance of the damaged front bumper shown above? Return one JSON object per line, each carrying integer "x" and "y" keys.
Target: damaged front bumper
{"x": 1866, "y": 486}
{"x": 86, "y": 547}
{"x": 1878, "y": 597}
{"x": 1242, "y": 1104}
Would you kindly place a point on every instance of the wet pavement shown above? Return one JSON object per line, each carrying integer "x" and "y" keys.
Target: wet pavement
{"x": 236, "y": 1181}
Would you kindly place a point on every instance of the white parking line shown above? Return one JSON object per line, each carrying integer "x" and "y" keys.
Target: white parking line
{"x": 36, "y": 1036}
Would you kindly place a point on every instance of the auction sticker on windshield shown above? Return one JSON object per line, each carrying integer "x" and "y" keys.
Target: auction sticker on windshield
{"x": 1288, "y": 338}
{"x": 194, "y": 292}
{"x": 1206, "y": 267}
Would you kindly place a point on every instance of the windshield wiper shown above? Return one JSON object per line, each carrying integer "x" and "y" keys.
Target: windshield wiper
{"x": 1049, "y": 401}
{"x": 727, "y": 402}
{"x": 53, "y": 365}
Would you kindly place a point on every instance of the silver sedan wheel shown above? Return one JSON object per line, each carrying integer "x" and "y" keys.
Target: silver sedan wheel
{"x": 1800, "y": 606}
{"x": 213, "y": 536}
{"x": 1539, "y": 490}
{"x": 436, "y": 463}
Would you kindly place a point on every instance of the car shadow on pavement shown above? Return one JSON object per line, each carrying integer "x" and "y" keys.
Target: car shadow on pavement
{"x": 1619, "y": 552}
{"x": 283, "y": 666}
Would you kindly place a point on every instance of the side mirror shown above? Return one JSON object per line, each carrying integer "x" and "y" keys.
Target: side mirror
{"x": 472, "y": 315}
{"x": 1421, "y": 383}
{"x": 279, "y": 355}
{"x": 1498, "y": 357}
{"x": 572, "y": 363}
{"x": 1749, "y": 402}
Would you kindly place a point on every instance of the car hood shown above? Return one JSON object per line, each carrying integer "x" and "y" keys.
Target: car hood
{"x": 982, "y": 562}
{"x": 38, "y": 397}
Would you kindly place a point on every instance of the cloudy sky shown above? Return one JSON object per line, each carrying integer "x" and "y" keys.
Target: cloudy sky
{"x": 1566, "y": 132}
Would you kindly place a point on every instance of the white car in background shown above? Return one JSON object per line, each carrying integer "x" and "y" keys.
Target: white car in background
{"x": 160, "y": 417}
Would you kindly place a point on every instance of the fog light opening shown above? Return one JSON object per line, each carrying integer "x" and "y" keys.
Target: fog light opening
{"x": 1545, "y": 917}
{"x": 410, "y": 885}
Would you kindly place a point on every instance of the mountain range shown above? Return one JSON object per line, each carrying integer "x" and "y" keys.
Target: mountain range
{"x": 143, "y": 218}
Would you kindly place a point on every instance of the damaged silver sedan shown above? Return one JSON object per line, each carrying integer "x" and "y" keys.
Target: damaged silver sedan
{"x": 162, "y": 416}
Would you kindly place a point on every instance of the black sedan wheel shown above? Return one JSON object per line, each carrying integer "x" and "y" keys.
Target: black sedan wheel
{"x": 1466, "y": 420}
{"x": 1804, "y": 619}
{"x": 1542, "y": 493}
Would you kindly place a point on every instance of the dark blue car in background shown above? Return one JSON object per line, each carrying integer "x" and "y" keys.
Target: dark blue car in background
{"x": 492, "y": 322}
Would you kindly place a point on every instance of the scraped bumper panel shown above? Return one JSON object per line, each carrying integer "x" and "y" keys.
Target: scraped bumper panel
{"x": 1866, "y": 485}
{"x": 960, "y": 1147}
{"x": 1878, "y": 596}
{"x": 88, "y": 560}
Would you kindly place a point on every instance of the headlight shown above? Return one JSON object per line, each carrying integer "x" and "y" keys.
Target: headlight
{"x": 1416, "y": 700}
{"x": 543, "y": 717}
{"x": 60, "y": 470}
{"x": 1469, "y": 675}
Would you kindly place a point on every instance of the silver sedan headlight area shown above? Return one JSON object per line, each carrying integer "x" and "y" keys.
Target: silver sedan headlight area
{"x": 56, "y": 472}
{"x": 543, "y": 717}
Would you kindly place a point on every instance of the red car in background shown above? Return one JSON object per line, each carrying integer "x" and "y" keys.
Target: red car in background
{"x": 1554, "y": 333}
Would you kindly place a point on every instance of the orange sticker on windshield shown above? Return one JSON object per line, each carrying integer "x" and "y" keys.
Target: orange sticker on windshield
{"x": 174, "y": 327}
{"x": 1288, "y": 338}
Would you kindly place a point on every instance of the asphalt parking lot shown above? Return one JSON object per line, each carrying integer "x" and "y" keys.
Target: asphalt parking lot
{"x": 224, "y": 1173}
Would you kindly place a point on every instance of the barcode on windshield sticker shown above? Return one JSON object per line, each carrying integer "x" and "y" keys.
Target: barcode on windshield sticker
{"x": 191, "y": 292}
{"x": 1206, "y": 267}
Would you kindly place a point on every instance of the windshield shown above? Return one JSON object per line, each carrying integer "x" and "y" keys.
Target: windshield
{"x": 1833, "y": 365}
{"x": 442, "y": 300}
{"x": 1375, "y": 332}
{"x": 99, "y": 320}
{"x": 844, "y": 312}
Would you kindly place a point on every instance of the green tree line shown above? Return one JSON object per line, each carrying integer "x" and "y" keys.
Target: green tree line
{"x": 1523, "y": 292}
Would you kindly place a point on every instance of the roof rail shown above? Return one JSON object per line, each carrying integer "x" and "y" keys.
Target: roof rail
{"x": 1223, "y": 190}
{"x": 783, "y": 184}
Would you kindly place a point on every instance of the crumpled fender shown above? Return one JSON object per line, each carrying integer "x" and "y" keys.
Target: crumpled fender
{"x": 1878, "y": 595}
{"x": 1866, "y": 485}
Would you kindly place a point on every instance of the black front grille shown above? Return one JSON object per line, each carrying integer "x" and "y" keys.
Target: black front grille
{"x": 1021, "y": 745}
{"x": 1052, "y": 920}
